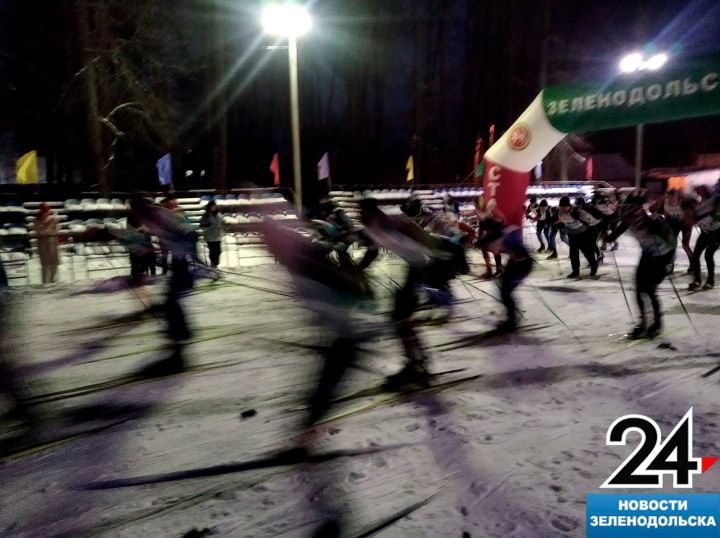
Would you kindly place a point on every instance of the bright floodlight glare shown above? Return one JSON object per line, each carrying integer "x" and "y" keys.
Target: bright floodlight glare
{"x": 656, "y": 62}
{"x": 631, "y": 62}
{"x": 285, "y": 20}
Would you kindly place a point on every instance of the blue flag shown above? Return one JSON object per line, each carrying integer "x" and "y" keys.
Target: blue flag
{"x": 164, "y": 169}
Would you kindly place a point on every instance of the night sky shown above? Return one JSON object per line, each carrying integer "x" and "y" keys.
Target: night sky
{"x": 378, "y": 79}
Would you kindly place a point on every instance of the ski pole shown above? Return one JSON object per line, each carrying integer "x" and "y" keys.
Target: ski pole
{"x": 520, "y": 310}
{"x": 546, "y": 305}
{"x": 622, "y": 286}
{"x": 677, "y": 294}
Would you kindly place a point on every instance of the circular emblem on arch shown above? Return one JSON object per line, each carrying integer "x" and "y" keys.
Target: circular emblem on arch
{"x": 519, "y": 137}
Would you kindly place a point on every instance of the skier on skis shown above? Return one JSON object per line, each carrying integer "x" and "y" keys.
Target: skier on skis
{"x": 432, "y": 263}
{"x": 483, "y": 213}
{"x": 541, "y": 225}
{"x": 607, "y": 208}
{"x": 554, "y": 227}
{"x": 498, "y": 238}
{"x": 179, "y": 235}
{"x": 657, "y": 243}
{"x": 331, "y": 292}
{"x": 707, "y": 219}
{"x": 679, "y": 211}
{"x": 579, "y": 225}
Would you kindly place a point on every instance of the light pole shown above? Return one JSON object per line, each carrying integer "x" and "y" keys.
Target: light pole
{"x": 630, "y": 64}
{"x": 290, "y": 21}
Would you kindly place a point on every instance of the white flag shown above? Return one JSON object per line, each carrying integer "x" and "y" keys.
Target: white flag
{"x": 323, "y": 167}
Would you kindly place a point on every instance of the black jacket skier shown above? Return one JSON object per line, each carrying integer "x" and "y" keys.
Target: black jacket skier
{"x": 657, "y": 243}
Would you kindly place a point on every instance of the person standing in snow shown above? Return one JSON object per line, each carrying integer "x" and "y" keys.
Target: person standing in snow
{"x": 657, "y": 243}
{"x": 211, "y": 225}
{"x": 579, "y": 227}
{"x": 46, "y": 232}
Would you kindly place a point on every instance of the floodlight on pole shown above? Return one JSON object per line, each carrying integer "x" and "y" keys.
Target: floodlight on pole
{"x": 656, "y": 62}
{"x": 290, "y": 21}
{"x": 637, "y": 62}
{"x": 286, "y": 20}
{"x": 630, "y": 64}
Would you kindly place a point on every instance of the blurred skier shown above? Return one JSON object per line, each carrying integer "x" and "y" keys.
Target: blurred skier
{"x": 338, "y": 234}
{"x": 679, "y": 212}
{"x": 554, "y": 227}
{"x": 606, "y": 207}
{"x": 579, "y": 226}
{"x": 657, "y": 244}
{"x": 707, "y": 219}
{"x": 498, "y": 238}
{"x": 432, "y": 263}
{"x": 483, "y": 213}
{"x": 9, "y": 382}
{"x": 179, "y": 236}
{"x": 331, "y": 293}
{"x": 541, "y": 226}
{"x": 595, "y": 228}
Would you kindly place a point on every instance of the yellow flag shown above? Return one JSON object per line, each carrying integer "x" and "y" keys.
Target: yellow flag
{"x": 26, "y": 168}
{"x": 410, "y": 167}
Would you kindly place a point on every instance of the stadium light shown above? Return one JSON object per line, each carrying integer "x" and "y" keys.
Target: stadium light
{"x": 630, "y": 64}
{"x": 290, "y": 21}
{"x": 637, "y": 62}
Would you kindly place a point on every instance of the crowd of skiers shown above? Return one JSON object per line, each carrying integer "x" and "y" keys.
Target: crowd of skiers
{"x": 433, "y": 245}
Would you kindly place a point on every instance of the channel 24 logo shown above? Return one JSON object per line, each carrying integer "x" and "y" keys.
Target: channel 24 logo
{"x": 654, "y": 458}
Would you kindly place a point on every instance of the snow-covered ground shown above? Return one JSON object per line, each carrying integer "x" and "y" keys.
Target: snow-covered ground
{"x": 511, "y": 453}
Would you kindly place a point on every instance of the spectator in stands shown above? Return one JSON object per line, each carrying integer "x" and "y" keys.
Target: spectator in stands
{"x": 211, "y": 224}
{"x": 46, "y": 231}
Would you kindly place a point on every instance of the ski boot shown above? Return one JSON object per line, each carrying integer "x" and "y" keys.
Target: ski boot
{"x": 710, "y": 284}
{"x": 413, "y": 374}
{"x": 540, "y": 250}
{"x": 173, "y": 364}
{"x": 552, "y": 256}
{"x": 638, "y": 332}
{"x": 654, "y": 329}
{"x": 487, "y": 275}
{"x": 507, "y": 326}
{"x": 574, "y": 274}
{"x": 694, "y": 286}
{"x": 593, "y": 271}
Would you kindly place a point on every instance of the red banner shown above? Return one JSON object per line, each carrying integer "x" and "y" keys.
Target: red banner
{"x": 504, "y": 191}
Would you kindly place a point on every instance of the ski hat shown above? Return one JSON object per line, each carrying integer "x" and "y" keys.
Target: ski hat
{"x": 564, "y": 202}
{"x": 543, "y": 203}
{"x": 580, "y": 201}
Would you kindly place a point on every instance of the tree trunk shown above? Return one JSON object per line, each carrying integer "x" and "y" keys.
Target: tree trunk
{"x": 93, "y": 115}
